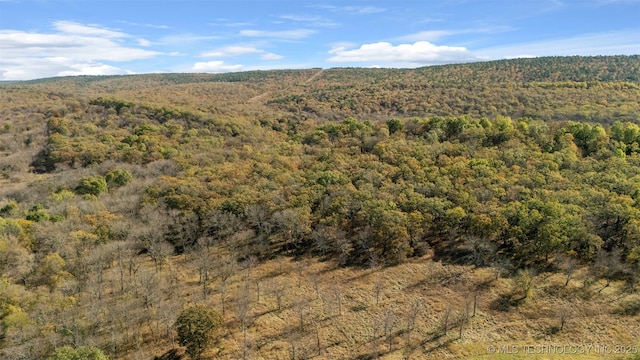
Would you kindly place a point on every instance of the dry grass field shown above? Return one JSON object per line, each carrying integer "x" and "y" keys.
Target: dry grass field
{"x": 306, "y": 309}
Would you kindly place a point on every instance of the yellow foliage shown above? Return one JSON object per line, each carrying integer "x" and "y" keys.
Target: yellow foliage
{"x": 51, "y": 271}
{"x": 90, "y": 197}
{"x": 52, "y": 263}
{"x": 14, "y": 316}
{"x": 63, "y": 195}
{"x": 83, "y": 236}
{"x": 71, "y": 211}
{"x": 100, "y": 221}
{"x": 101, "y": 217}
{"x": 20, "y": 228}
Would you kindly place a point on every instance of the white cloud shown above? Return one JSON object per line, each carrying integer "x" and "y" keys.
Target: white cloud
{"x": 183, "y": 39}
{"x": 215, "y": 67}
{"x": 608, "y": 43}
{"x": 73, "y": 49}
{"x": 144, "y": 42}
{"x": 284, "y": 34}
{"x": 71, "y": 27}
{"x": 93, "y": 69}
{"x": 419, "y": 53}
{"x": 230, "y": 23}
{"x": 72, "y": 46}
{"x": 434, "y": 35}
{"x": 237, "y": 50}
{"x": 317, "y": 21}
{"x": 23, "y": 69}
{"x": 361, "y": 10}
{"x": 233, "y": 50}
{"x": 429, "y": 35}
{"x": 153, "y": 26}
{"x": 522, "y": 56}
{"x": 271, "y": 56}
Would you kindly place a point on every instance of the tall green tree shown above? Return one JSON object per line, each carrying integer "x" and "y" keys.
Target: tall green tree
{"x": 80, "y": 353}
{"x": 196, "y": 326}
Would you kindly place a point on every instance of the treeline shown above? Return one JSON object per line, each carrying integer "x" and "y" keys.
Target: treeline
{"x": 362, "y": 191}
{"x": 596, "y": 89}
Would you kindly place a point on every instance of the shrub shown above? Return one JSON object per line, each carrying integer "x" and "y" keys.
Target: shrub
{"x": 395, "y": 125}
{"x": 117, "y": 178}
{"x": 80, "y": 353}
{"x": 37, "y": 213}
{"x": 9, "y": 208}
{"x": 92, "y": 185}
{"x": 195, "y": 326}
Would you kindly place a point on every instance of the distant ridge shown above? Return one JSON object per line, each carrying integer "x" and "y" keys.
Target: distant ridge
{"x": 552, "y": 68}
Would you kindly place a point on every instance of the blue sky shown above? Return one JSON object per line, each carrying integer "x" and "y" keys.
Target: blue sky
{"x": 42, "y": 38}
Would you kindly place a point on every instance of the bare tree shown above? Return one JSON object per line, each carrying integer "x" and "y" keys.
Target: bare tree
{"x": 259, "y": 219}
{"x": 243, "y": 313}
{"x": 343, "y": 247}
{"x": 607, "y": 265}
{"x": 500, "y": 266}
{"x": 219, "y": 225}
{"x": 277, "y": 289}
{"x": 374, "y": 339}
{"x": 445, "y": 320}
{"x": 481, "y": 249}
{"x": 316, "y": 327}
{"x": 149, "y": 283}
{"x": 150, "y": 239}
{"x": 568, "y": 265}
{"x": 389, "y": 323}
{"x": 17, "y": 262}
{"x": 227, "y": 266}
{"x": 475, "y": 303}
{"x": 150, "y": 236}
{"x": 204, "y": 260}
{"x": 293, "y": 338}
{"x": 315, "y": 282}
{"x": 337, "y": 293}
{"x": 167, "y": 313}
{"x": 377, "y": 288}
{"x": 302, "y": 307}
{"x": 292, "y": 225}
{"x": 524, "y": 282}
{"x": 122, "y": 253}
{"x": 321, "y": 236}
{"x": 563, "y": 314}
{"x": 98, "y": 261}
{"x": 412, "y": 313}
{"x": 299, "y": 268}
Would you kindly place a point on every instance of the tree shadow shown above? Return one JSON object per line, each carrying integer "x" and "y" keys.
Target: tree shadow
{"x": 173, "y": 354}
{"x": 628, "y": 308}
{"x": 505, "y": 302}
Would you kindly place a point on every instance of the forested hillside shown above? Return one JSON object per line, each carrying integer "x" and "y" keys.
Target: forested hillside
{"x": 336, "y": 213}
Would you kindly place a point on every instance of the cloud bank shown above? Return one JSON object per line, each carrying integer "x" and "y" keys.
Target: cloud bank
{"x": 215, "y": 67}
{"x": 72, "y": 49}
{"x": 418, "y": 53}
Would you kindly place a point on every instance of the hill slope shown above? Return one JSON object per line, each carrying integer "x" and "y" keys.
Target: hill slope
{"x": 446, "y": 211}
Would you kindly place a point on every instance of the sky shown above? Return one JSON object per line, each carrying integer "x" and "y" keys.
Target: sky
{"x": 47, "y": 38}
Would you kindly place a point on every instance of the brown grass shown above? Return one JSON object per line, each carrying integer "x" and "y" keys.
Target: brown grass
{"x": 343, "y": 318}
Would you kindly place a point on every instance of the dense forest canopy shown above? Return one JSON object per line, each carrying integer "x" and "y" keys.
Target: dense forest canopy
{"x": 513, "y": 164}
